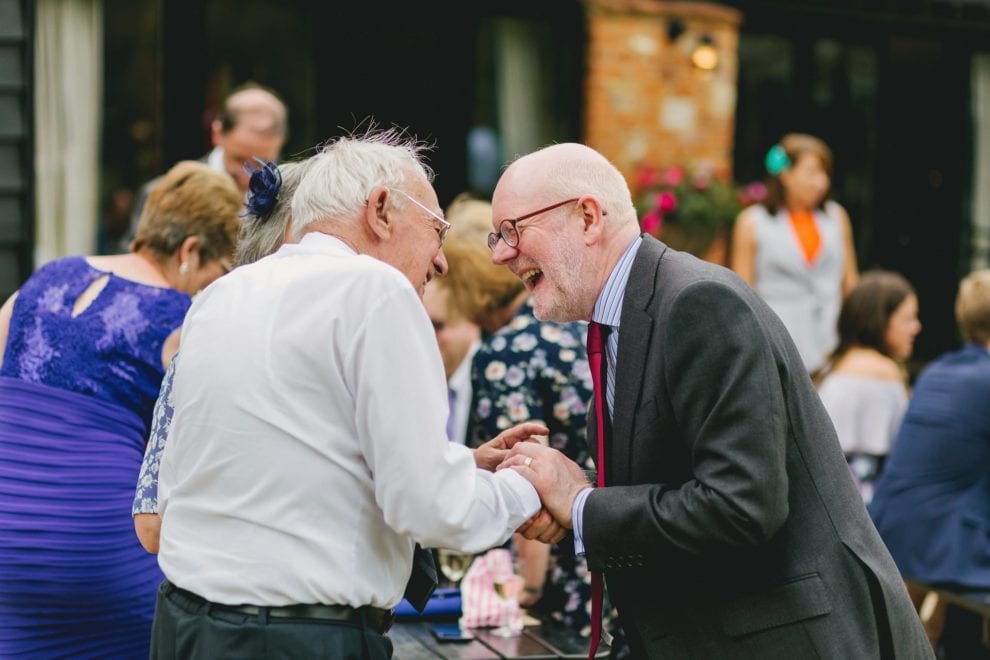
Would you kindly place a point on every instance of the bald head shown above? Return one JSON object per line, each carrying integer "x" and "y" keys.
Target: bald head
{"x": 252, "y": 125}
{"x": 568, "y": 216}
{"x": 562, "y": 171}
{"x": 265, "y": 111}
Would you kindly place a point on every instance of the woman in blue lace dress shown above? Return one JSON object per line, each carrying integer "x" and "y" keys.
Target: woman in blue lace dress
{"x": 83, "y": 346}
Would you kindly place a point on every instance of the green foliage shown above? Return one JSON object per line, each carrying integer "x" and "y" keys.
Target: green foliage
{"x": 696, "y": 201}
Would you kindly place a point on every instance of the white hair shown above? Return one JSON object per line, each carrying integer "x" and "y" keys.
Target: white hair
{"x": 259, "y": 237}
{"x": 337, "y": 182}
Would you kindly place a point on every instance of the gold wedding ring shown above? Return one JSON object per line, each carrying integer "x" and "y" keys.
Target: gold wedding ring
{"x": 529, "y": 459}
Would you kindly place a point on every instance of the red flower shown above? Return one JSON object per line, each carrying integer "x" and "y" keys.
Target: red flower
{"x": 674, "y": 176}
{"x": 652, "y": 222}
{"x": 646, "y": 177}
{"x": 666, "y": 202}
{"x": 753, "y": 193}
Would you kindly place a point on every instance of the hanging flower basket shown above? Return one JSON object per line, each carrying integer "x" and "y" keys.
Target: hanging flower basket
{"x": 689, "y": 211}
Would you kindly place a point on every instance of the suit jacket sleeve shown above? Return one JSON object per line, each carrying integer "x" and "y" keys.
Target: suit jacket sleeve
{"x": 711, "y": 374}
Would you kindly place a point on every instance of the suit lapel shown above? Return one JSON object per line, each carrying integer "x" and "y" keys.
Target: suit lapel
{"x": 635, "y": 332}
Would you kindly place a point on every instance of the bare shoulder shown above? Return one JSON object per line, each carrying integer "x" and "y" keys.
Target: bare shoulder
{"x": 128, "y": 266}
{"x": 744, "y": 228}
{"x": 117, "y": 263}
{"x": 871, "y": 364}
{"x": 838, "y": 210}
{"x": 747, "y": 217}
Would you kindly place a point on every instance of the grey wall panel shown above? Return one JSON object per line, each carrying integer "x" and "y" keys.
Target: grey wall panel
{"x": 16, "y": 144}
{"x": 12, "y": 18}
{"x": 11, "y": 212}
{"x": 11, "y": 65}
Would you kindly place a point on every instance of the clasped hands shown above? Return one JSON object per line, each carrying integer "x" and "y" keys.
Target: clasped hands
{"x": 556, "y": 478}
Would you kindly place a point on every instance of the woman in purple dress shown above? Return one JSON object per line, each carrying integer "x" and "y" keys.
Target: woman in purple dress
{"x": 83, "y": 346}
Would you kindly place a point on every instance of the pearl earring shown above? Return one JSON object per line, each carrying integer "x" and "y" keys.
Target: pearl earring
{"x": 183, "y": 268}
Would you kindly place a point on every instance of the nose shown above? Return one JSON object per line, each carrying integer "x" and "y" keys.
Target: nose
{"x": 440, "y": 263}
{"x": 503, "y": 253}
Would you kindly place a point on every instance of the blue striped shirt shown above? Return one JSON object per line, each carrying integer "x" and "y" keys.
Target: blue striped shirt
{"x": 608, "y": 312}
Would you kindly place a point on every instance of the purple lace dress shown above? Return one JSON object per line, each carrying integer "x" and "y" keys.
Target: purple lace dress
{"x": 76, "y": 395}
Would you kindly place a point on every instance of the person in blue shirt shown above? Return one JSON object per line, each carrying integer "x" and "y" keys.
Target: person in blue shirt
{"x": 932, "y": 501}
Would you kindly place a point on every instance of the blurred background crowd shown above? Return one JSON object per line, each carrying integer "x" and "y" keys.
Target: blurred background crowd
{"x": 99, "y": 96}
{"x": 836, "y": 155}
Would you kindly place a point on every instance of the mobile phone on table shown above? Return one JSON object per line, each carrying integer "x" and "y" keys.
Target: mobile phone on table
{"x": 451, "y": 632}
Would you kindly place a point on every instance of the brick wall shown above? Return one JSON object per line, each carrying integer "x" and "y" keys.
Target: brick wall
{"x": 646, "y": 103}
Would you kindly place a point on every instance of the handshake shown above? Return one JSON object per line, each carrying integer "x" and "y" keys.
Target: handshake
{"x": 556, "y": 478}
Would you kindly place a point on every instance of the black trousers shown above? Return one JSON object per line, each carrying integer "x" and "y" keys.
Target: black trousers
{"x": 185, "y": 629}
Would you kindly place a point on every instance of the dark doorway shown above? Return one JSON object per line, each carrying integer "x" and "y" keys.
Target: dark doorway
{"x": 409, "y": 68}
{"x": 924, "y": 166}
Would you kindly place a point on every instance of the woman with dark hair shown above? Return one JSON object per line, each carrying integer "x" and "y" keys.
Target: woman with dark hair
{"x": 83, "y": 346}
{"x": 796, "y": 248}
{"x": 863, "y": 383}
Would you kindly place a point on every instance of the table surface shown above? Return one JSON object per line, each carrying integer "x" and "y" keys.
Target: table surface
{"x": 414, "y": 640}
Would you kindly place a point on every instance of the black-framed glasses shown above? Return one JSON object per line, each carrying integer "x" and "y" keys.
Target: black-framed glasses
{"x": 509, "y": 232}
{"x": 444, "y": 225}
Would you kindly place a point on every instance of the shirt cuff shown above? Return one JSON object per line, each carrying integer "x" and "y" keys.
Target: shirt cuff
{"x": 577, "y": 520}
{"x": 528, "y": 499}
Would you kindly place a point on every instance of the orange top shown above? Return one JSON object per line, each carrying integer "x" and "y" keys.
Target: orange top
{"x": 807, "y": 233}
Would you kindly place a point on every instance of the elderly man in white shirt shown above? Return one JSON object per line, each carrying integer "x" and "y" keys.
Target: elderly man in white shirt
{"x": 308, "y": 451}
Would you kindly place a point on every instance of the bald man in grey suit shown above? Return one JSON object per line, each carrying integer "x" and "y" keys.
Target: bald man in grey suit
{"x": 728, "y": 526}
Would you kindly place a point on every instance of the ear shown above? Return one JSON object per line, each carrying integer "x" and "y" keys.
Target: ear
{"x": 593, "y": 217}
{"x": 216, "y": 132}
{"x": 188, "y": 252}
{"x": 375, "y": 215}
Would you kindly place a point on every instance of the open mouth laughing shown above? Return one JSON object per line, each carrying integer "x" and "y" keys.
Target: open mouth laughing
{"x": 531, "y": 277}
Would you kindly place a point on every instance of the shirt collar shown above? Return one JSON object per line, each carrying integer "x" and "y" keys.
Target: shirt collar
{"x": 320, "y": 241}
{"x": 608, "y": 307}
{"x": 461, "y": 377}
{"x": 215, "y": 160}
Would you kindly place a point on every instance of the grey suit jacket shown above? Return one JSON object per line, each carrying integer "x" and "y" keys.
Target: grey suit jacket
{"x": 730, "y": 526}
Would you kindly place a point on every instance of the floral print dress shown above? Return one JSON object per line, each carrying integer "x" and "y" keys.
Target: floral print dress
{"x": 538, "y": 370}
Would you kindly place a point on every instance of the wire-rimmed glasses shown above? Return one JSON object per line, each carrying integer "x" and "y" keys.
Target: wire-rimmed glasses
{"x": 444, "y": 225}
{"x": 508, "y": 230}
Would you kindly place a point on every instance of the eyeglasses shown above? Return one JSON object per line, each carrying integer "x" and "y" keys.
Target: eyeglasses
{"x": 444, "y": 225}
{"x": 508, "y": 230}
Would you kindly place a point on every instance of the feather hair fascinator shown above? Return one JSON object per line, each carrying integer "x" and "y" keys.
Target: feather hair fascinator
{"x": 263, "y": 188}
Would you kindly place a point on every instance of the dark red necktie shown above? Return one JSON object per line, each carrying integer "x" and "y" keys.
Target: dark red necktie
{"x": 595, "y": 363}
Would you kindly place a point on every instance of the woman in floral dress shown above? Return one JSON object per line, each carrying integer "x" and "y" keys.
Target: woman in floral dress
{"x": 538, "y": 370}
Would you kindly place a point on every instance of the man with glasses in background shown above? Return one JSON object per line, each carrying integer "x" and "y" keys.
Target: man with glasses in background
{"x": 308, "y": 451}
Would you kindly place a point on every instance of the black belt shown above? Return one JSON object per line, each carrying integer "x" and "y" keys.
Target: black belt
{"x": 375, "y": 618}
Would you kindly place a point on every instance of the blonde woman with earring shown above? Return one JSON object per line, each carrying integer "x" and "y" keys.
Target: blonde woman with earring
{"x": 796, "y": 247}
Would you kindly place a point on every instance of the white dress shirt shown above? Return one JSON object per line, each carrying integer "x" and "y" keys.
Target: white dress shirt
{"x": 215, "y": 160}
{"x": 460, "y": 383}
{"x": 308, "y": 449}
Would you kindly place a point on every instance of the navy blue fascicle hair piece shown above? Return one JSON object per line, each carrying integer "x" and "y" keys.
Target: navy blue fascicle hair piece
{"x": 263, "y": 188}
